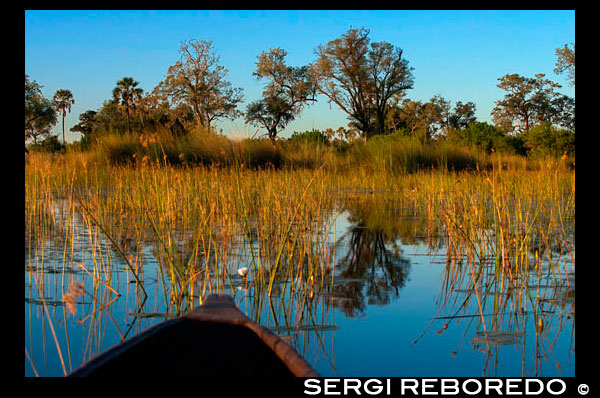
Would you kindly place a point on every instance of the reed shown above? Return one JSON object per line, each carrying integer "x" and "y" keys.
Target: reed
{"x": 177, "y": 229}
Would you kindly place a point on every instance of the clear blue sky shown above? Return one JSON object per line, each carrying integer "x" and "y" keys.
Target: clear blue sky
{"x": 458, "y": 54}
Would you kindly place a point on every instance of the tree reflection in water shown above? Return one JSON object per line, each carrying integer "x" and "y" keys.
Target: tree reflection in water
{"x": 372, "y": 269}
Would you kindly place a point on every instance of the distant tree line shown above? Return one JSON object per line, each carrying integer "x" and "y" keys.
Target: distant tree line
{"x": 367, "y": 80}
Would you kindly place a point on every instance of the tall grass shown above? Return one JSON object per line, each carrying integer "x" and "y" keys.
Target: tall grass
{"x": 382, "y": 153}
{"x": 503, "y": 221}
{"x": 489, "y": 213}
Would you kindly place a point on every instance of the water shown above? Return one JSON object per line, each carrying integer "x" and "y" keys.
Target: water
{"x": 394, "y": 305}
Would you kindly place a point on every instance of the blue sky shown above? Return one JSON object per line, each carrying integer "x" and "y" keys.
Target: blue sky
{"x": 458, "y": 54}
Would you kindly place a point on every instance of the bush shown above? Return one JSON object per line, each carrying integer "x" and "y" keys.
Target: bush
{"x": 396, "y": 152}
{"x": 546, "y": 140}
{"x": 194, "y": 148}
{"x": 50, "y": 144}
{"x": 315, "y": 136}
{"x": 484, "y": 136}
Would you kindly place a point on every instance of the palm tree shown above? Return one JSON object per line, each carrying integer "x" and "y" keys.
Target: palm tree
{"x": 62, "y": 100}
{"x": 127, "y": 93}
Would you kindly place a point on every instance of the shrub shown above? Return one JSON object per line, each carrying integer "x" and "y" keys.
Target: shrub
{"x": 50, "y": 144}
{"x": 547, "y": 140}
{"x": 484, "y": 136}
{"x": 315, "y": 136}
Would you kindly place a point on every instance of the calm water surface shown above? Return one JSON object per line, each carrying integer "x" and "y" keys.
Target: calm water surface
{"x": 396, "y": 305}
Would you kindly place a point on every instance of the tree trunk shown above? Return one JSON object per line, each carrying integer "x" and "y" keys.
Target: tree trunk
{"x": 272, "y": 134}
{"x": 381, "y": 121}
{"x": 63, "y": 129}
{"x": 128, "y": 125}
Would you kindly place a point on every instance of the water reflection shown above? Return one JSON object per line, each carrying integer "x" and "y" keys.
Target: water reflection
{"x": 372, "y": 268}
{"x": 311, "y": 276}
{"x": 498, "y": 315}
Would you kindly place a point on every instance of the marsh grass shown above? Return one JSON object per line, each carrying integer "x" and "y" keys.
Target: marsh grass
{"x": 382, "y": 153}
{"x": 486, "y": 214}
{"x": 503, "y": 222}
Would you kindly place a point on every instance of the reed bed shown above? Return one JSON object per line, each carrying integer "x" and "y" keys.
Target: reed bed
{"x": 180, "y": 233}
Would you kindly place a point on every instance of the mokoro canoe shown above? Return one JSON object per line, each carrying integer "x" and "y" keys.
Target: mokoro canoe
{"x": 213, "y": 340}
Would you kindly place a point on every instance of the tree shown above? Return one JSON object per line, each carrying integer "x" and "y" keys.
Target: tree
{"x": 463, "y": 115}
{"x": 127, "y": 94}
{"x": 362, "y": 78}
{"x": 110, "y": 118}
{"x": 442, "y": 118}
{"x": 419, "y": 119}
{"x": 441, "y": 112}
{"x": 425, "y": 120}
{"x": 287, "y": 92}
{"x": 40, "y": 115}
{"x": 411, "y": 115}
{"x": 86, "y": 122}
{"x": 564, "y": 115}
{"x": 314, "y": 136}
{"x": 516, "y": 103}
{"x": 528, "y": 101}
{"x": 63, "y": 100}
{"x": 544, "y": 139}
{"x": 153, "y": 108}
{"x": 482, "y": 135}
{"x": 329, "y": 133}
{"x": 86, "y": 125}
{"x": 48, "y": 144}
{"x": 197, "y": 80}
{"x": 566, "y": 62}
{"x": 271, "y": 112}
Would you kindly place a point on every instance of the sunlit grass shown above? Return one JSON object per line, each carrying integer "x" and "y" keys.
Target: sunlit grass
{"x": 203, "y": 222}
{"x": 499, "y": 213}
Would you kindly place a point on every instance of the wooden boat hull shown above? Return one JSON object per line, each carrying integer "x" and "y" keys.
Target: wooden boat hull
{"x": 213, "y": 340}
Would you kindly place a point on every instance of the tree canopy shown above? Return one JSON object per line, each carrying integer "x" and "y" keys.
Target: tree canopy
{"x": 40, "y": 115}
{"x": 127, "y": 94}
{"x": 565, "y": 62}
{"x": 367, "y": 80}
{"x": 529, "y": 101}
{"x": 63, "y": 100}
{"x": 288, "y": 90}
{"x": 86, "y": 125}
{"x": 362, "y": 78}
{"x": 199, "y": 81}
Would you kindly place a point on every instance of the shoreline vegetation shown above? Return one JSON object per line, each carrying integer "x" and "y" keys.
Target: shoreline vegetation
{"x": 391, "y": 153}
{"x": 505, "y": 223}
{"x": 519, "y": 200}
{"x": 154, "y": 205}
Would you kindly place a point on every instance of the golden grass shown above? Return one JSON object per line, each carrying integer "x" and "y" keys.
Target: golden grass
{"x": 203, "y": 223}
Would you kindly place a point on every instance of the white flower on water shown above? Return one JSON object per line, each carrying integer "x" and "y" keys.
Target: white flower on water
{"x": 243, "y": 272}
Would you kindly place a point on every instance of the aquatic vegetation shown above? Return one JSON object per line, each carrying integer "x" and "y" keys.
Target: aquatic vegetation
{"x": 147, "y": 241}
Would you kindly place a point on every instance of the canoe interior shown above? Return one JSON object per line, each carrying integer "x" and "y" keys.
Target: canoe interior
{"x": 192, "y": 348}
